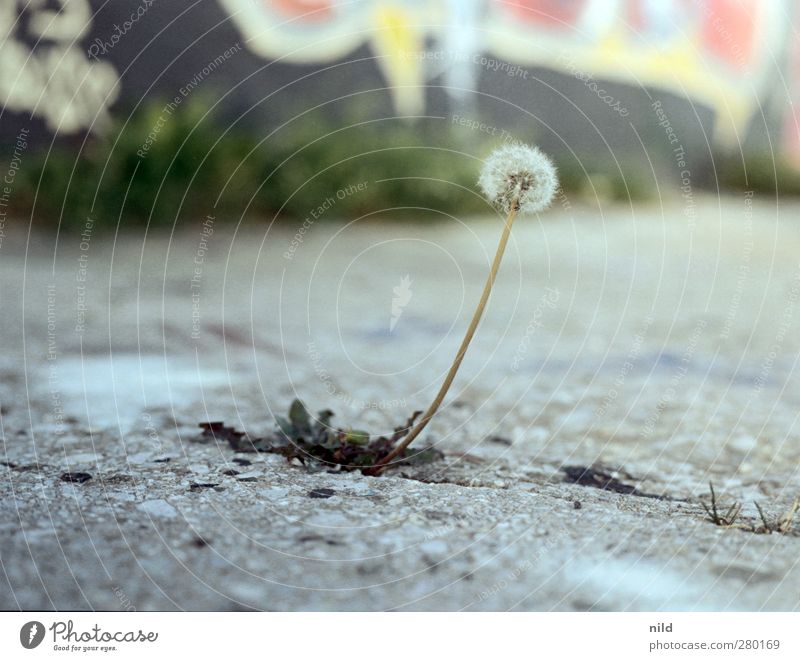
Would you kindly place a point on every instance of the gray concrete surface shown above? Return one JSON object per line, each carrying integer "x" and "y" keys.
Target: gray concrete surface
{"x": 659, "y": 342}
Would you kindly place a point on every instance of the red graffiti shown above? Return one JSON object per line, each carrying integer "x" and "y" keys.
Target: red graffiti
{"x": 729, "y": 30}
{"x": 560, "y": 13}
{"x": 311, "y": 11}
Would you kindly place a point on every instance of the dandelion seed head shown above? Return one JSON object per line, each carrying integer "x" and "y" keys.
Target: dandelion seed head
{"x": 521, "y": 175}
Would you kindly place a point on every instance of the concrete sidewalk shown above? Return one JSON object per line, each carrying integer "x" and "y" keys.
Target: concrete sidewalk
{"x": 657, "y": 350}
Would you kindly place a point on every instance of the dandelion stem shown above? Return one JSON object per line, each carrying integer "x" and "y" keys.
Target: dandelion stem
{"x": 462, "y": 350}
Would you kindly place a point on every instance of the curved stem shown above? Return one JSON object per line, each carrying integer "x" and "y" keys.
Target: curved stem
{"x": 462, "y": 350}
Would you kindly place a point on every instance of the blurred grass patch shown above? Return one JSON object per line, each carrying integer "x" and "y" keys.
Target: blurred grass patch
{"x": 161, "y": 167}
{"x": 759, "y": 172}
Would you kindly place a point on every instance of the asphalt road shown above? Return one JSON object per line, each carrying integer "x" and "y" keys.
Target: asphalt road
{"x": 657, "y": 345}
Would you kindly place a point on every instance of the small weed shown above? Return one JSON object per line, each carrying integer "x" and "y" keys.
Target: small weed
{"x": 786, "y": 520}
{"x": 782, "y": 525}
{"x": 767, "y": 528}
{"x": 315, "y": 443}
{"x": 726, "y": 520}
{"x": 733, "y": 519}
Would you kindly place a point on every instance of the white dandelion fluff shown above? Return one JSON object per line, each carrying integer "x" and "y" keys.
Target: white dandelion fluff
{"x": 521, "y": 176}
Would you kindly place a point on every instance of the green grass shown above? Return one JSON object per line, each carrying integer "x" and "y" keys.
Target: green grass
{"x": 760, "y": 173}
{"x": 197, "y": 166}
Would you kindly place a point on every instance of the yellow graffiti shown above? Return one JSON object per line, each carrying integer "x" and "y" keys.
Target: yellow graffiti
{"x": 395, "y": 38}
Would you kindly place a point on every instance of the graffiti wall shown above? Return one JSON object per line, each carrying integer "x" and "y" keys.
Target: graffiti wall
{"x": 70, "y": 63}
{"x": 721, "y": 53}
{"x": 44, "y": 69}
